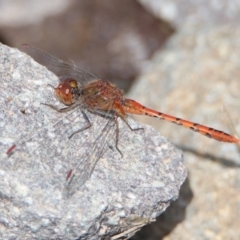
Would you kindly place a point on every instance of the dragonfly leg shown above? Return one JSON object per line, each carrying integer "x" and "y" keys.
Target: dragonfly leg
{"x": 117, "y": 135}
{"x": 132, "y": 129}
{"x": 61, "y": 110}
{"x": 89, "y": 124}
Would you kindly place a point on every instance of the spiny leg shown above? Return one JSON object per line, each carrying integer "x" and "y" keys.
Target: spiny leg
{"x": 89, "y": 124}
{"x": 117, "y": 132}
{"x": 117, "y": 135}
{"x": 66, "y": 109}
{"x": 132, "y": 129}
{"x": 61, "y": 110}
{"x": 111, "y": 117}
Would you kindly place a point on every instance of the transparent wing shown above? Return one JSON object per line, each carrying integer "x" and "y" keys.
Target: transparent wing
{"x": 83, "y": 170}
{"x": 62, "y": 69}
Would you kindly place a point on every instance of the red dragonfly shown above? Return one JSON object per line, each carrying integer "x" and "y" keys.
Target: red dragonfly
{"x": 78, "y": 88}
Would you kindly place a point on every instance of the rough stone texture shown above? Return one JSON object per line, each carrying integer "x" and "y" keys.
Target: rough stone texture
{"x": 196, "y": 74}
{"x": 195, "y": 13}
{"x": 122, "y": 195}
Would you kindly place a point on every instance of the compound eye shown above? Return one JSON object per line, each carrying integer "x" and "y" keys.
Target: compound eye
{"x": 64, "y": 93}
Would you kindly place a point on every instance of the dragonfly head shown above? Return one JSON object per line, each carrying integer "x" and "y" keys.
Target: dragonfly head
{"x": 68, "y": 91}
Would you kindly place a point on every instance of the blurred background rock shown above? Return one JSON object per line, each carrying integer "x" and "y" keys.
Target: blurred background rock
{"x": 184, "y": 58}
{"x": 113, "y": 39}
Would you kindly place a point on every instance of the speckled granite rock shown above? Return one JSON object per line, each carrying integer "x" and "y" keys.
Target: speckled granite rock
{"x": 122, "y": 194}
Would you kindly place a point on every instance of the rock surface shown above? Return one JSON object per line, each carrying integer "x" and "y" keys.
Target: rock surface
{"x": 122, "y": 194}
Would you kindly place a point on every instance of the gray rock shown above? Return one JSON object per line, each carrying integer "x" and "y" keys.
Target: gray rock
{"x": 15, "y": 13}
{"x": 122, "y": 194}
{"x": 195, "y": 13}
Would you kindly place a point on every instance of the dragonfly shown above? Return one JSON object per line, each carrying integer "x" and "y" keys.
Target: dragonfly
{"x": 85, "y": 91}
